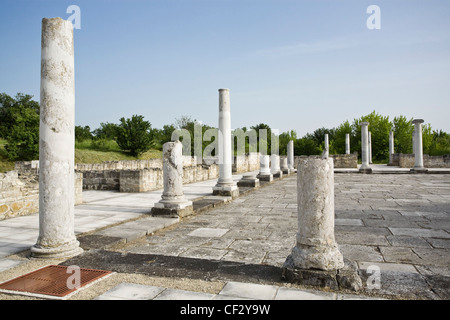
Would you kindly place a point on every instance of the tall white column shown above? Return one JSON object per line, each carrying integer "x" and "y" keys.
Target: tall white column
{"x": 173, "y": 202}
{"x": 370, "y": 146}
{"x": 391, "y": 145}
{"x": 364, "y": 148}
{"x": 347, "y": 143}
{"x": 327, "y": 149}
{"x": 418, "y": 147}
{"x": 56, "y": 143}
{"x": 225, "y": 184}
{"x": 290, "y": 155}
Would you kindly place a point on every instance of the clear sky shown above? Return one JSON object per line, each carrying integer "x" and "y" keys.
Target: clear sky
{"x": 291, "y": 64}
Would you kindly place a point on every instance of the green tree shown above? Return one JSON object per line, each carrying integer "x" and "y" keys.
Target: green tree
{"x": 83, "y": 133}
{"x": 403, "y": 130}
{"x": 134, "y": 135}
{"x": 19, "y": 125}
{"x": 306, "y": 146}
{"x": 338, "y": 143}
{"x": 284, "y": 139}
{"x": 379, "y": 127}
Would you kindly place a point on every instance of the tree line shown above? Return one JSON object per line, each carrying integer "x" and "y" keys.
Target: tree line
{"x": 19, "y": 126}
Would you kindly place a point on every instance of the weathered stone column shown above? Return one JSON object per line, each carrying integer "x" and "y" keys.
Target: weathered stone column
{"x": 264, "y": 169}
{"x": 418, "y": 147}
{"x": 391, "y": 145}
{"x": 56, "y": 143}
{"x": 365, "y": 168}
{"x": 290, "y": 155}
{"x": 347, "y": 143}
{"x": 284, "y": 166}
{"x": 316, "y": 258}
{"x": 370, "y": 147}
{"x": 173, "y": 203}
{"x": 275, "y": 166}
{"x": 225, "y": 185}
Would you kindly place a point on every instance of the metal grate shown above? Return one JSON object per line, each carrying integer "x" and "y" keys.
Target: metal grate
{"x": 51, "y": 280}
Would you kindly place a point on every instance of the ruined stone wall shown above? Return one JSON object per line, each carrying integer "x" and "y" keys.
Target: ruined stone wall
{"x": 19, "y": 190}
{"x": 340, "y": 160}
{"x": 147, "y": 175}
{"x": 407, "y": 161}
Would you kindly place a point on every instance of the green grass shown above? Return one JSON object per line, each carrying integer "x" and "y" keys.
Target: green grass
{"x": 88, "y": 152}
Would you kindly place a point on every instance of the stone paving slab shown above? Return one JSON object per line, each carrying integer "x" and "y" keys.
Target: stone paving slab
{"x": 407, "y": 239}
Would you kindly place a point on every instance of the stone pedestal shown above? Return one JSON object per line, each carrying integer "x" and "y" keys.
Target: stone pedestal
{"x": 316, "y": 258}
{"x": 249, "y": 180}
{"x": 173, "y": 202}
{"x": 418, "y": 147}
{"x": 290, "y": 156}
{"x": 365, "y": 167}
{"x": 56, "y": 143}
{"x": 225, "y": 185}
{"x": 275, "y": 166}
{"x": 284, "y": 167}
{"x": 264, "y": 169}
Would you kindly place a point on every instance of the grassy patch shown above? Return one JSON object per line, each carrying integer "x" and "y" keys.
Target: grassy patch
{"x": 88, "y": 152}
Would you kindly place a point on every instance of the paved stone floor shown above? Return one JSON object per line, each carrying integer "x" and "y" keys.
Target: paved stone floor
{"x": 398, "y": 224}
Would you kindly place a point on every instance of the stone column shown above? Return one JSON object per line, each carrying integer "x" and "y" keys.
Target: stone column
{"x": 347, "y": 143}
{"x": 56, "y": 143}
{"x": 173, "y": 202}
{"x": 290, "y": 155}
{"x": 418, "y": 147}
{"x": 284, "y": 166}
{"x": 391, "y": 145}
{"x": 316, "y": 257}
{"x": 326, "y": 152}
{"x": 365, "y": 168}
{"x": 264, "y": 169}
{"x": 275, "y": 166}
{"x": 370, "y": 147}
{"x": 225, "y": 185}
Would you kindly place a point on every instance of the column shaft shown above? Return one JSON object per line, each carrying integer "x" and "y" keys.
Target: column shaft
{"x": 56, "y": 143}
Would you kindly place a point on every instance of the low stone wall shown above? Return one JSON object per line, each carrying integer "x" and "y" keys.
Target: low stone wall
{"x": 340, "y": 160}
{"x": 407, "y": 161}
{"x": 147, "y": 175}
{"x": 394, "y": 160}
{"x": 19, "y": 190}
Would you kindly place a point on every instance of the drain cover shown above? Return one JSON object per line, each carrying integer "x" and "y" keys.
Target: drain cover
{"x": 52, "y": 281}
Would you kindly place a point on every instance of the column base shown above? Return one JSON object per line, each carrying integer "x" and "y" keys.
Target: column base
{"x": 170, "y": 209}
{"x": 365, "y": 170}
{"x": 265, "y": 177}
{"x": 286, "y": 171}
{"x": 226, "y": 191}
{"x": 345, "y": 278}
{"x": 67, "y": 250}
{"x": 249, "y": 182}
{"x": 419, "y": 170}
{"x": 278, "y": 174}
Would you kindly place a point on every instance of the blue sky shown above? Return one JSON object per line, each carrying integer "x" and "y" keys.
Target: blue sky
{"x": 292, "y": 64}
